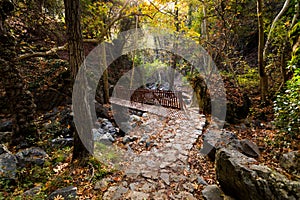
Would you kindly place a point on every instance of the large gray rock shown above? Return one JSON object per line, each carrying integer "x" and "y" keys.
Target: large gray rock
{"x": 212, "y": 192}
{"x": 32, "y": 192}
{"x": 32, "y": 155}
{"x": 291, "y": 162}
{"x": 248, "y": 148}
{"x": 62, "y": 142}
{"x": 68, "y": 193}
{"x": 241, "y": 177}
{"x": 8, "y": 166}
{"x": 217, "y": 139}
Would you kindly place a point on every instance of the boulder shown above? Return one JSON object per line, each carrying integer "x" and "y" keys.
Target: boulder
{"x": 249, "y": 148}
{"x": 62, "y": 142}
{"x": 68, "y": 193}
{"x": 8, "y": 166}
{"x": 32, "y": 192}
{"x": 105, "y": 138}
{"x": 201, "y": 181}
{"x": 106, "y": 126}
{"x": 32, "y": 155}
{"x": 212, "y": 192}
{"x": 242, "y": 178}
{"x": 291, "y": 162}
{"x": 216, "y": 139}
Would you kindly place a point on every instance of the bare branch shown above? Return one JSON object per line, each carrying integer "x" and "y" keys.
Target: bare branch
{"x": 95, "y": 41}
{"x": 159, "y": 10}
{"x": 296, "y": 15}
{"x": 52, "y": 51}
{"x": 282, "y": 11}
{"x": 43, "y": 54}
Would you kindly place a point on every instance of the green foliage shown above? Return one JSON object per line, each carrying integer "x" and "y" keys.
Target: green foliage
{"x": 94, "y": 18}
{"x": 31, "y": 176}
{"x": 287, "y": 104}
{"x": 248, "y": 79}
{"x": 294, "y": 38}
{"x": 287, "y": 108}
{"x": 107, "y": 154}
{"x": 100, "y": 172}
{"x": 150, "y": 68}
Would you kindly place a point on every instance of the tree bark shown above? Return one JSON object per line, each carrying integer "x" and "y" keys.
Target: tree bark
{"x": 261, "y": 65}
{"x": 105, "y": 81}
{"x": 76, "y": 57}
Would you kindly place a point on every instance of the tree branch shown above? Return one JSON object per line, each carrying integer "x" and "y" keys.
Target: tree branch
{"x": 52, "y": 51}
{"x": 95, "y": 41}
{"x": 43, "y": 54}
{"x": 282, "y": 11}
{"x": 296, "y": 15}
{"x": 159, "y": 10}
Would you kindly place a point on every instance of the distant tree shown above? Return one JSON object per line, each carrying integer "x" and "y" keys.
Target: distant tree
{"x": 261, "y": 65}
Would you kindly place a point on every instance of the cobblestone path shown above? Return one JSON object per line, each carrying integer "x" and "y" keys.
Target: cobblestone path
{"x": 160, "y": 172}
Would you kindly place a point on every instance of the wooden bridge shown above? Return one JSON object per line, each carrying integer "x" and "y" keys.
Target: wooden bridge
{"x": 159, "y": 102}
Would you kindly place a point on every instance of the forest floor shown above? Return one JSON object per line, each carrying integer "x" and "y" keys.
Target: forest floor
{"x": 151, "y": 176}
{"x": 95, "y": 180}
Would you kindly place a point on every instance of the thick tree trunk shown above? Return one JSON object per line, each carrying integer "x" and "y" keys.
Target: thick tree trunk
{"x": 261, "y": 66}
{"x": 75, "y": 41}
{"x": 76, "y": 57}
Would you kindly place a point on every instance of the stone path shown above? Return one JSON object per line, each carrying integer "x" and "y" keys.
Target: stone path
{"x": 161, "y": 172}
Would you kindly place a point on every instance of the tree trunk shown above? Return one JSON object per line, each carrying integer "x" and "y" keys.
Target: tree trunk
{"x": 261, "y": 65}
{"x": 105, "y": 81}
{"x": 283, "y": 63}
{"x": 76, "y": 57}
{"x": 174, "y": 58}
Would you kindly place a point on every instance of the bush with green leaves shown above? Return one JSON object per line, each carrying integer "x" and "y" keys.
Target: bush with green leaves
{"x": 287, "y": 104}
{"x": 287, "y": 107}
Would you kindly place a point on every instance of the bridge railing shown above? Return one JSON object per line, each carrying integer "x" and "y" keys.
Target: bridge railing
{"x": 171, "y": 99}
